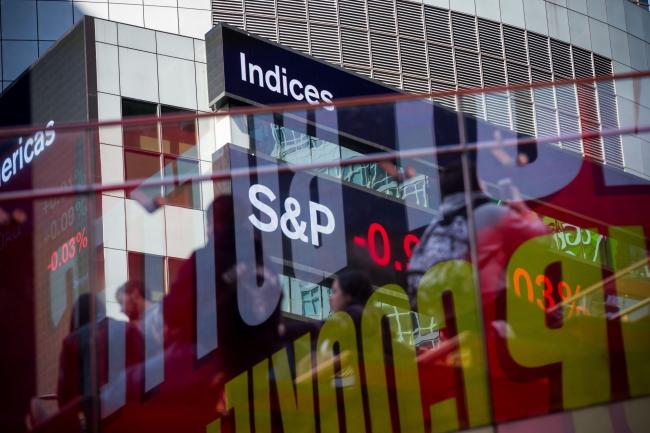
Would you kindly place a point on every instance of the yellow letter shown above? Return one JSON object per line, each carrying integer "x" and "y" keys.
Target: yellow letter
{"x": 579, "y": 345}
{"x": 339, "y": 328}
{"x": 296, "y": 407}
{"x": 237, "y": 399}
{"x": 261, "y": 397}
{"x": 630, "y": 252}
{"x": 456, "y": 276}
{"x": 407, "y": 381}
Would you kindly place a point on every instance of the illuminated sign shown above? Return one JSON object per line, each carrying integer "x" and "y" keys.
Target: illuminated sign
{"x": 377, "y": 242}
{"x": 276, "y": 81}
{"x": 308, "y": 220}
{"x": 68, "y": 250}
{"x": 251, "y": 69}
{"x": 28, "y": 149}
{"x": 290, "y": 216}
{"x": 550, "y": 294}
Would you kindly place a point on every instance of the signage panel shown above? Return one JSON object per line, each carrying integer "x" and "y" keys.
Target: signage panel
{"x": 253, "y": 70}
{"x": 308, "y": 221}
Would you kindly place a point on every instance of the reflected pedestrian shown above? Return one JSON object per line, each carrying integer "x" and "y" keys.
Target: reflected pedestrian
{"x": 350, "y": 291}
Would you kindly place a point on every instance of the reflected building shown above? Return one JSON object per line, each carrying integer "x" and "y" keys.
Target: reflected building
{"x": 158, "y": 66}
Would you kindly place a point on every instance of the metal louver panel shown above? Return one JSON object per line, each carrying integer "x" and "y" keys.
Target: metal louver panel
{"x": 439, "y": 86}
{"x": 522, "y": 116}
{"x": 490, "y": 37}
{"x": 445, "y": 101}
{"x": 415, "y": 85}
{"x": 292, "y": 34}
{"x": 538, "y": 52}
{"x": 235, "y": 20}
{"x": 546, "y": 122}
{"x": 437, "y": 25}
{"x": 413, "y": 55}
{"x": 582, "y": 66}
{"x": 608, "y": 111}
{"x": 441, "y": 63}
{"x": 467, "y": 69}
{"x": 494, "y": 73}
{"x": 543, "y": 96}
{"x": 517, "y": 73}
{"x": 582, "y": 63}
{"x": 587, "y": 103}
{"x": 384, "y": 52}
{"x": 325, "y": 43}
{"x": 566, "y": 99}
{"x": 261, "y": 26}
{"x": 358, "y": 70}
{"x": 613, "y": 149}
{"x": 227, "y": 7}
{"x": 602, "y": 65}
{"x": 381, "y": 16}
{"x": 514, "y": 40}
{"x": 263, "y": 7}
{"x": 323, "y": 11}
{"x": 292, "y": 9}
{"x": 561, "y": 58}
{"x": 353, "y": 13}
{"x": 464, "y": 30}
{"x": 569, "y": 125}
{"x": 472, "y": 104}
{"x": 355, "y": 47}
{"x": 228, "y": 11}
{"x": 409, "y": 19}
{"x": 497, "y": 109}
{"x": 390, "y": 79}
{"x": 593, "y": 147}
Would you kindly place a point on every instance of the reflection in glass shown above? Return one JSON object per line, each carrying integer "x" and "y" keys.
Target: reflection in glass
{"x": 144, "y": 136}
{"x": 178, "y": 138}
{"x": 187, "y": 194}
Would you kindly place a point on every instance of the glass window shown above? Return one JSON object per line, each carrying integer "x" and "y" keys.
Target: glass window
{"x": 294, "y": 146}
{"x": 143, "y": 137}
{"x": 150, "y": 270}
{"x": 178, "y": 138}
{"x": 326, "y": 292}
{"x": 142, "y": 165}
{"x": 182, "y": 194}
{"x": 286, "y": 289}
{"x": 306, "y": 299}
{"x": 323, "y": 151}
{"x": 17, "y": 56}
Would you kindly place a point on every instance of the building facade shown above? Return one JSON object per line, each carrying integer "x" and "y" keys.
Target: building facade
{"x": 418, "y": 46}
{"x": 435, "y": 45}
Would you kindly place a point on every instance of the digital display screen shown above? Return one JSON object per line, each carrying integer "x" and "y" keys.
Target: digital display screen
{"x": 311, "y": 218}
{"x": 47, "y": 258}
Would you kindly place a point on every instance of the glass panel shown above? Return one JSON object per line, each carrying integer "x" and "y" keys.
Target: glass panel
{"x": 178, "y": 138}
{"x": 145, "y": 136}
{"x": 143, "y": 166}
{"x": 474, "y": 279}
{"x": 186, "y": 194}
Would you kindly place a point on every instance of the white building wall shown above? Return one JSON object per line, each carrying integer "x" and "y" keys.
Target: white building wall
{"x": 29, "y": 27}
{"x": 155, "y": 67}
